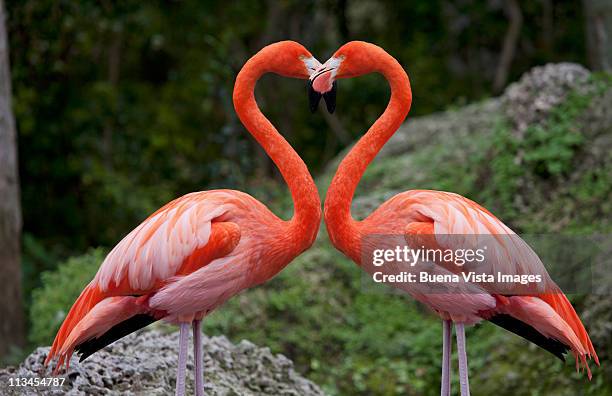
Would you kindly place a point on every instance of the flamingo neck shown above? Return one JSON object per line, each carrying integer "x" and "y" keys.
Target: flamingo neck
{"x": 343, "y": 230}
{"x": 303, "y": 226}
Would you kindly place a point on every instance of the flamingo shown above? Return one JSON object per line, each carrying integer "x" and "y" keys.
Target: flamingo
{"x": 199, "y": 250}
{"x": 543, "y": 316}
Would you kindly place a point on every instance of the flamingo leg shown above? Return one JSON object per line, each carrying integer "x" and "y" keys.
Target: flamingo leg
{"x": 463, "y": 365}
{"x": 447, "y": 344}
{"x": 182, "y": 359}
{"x": 197, "y": 357}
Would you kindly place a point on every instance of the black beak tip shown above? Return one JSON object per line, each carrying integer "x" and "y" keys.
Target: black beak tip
{"x": 313, "y": 98}
{"x": 330, "y": 98}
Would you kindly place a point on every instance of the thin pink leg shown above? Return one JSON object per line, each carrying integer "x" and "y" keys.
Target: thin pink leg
{"x": 197, "y": 357}
{"x": 182, "y": 360}
{"x": 463, "y": 364}
{"x": 447, "y": 345}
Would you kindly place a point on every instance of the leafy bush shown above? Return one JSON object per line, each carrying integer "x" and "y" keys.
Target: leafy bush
{"x": 60, "y": 288}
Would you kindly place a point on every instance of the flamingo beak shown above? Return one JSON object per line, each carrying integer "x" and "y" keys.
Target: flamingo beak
{"x": 322, "y": 85}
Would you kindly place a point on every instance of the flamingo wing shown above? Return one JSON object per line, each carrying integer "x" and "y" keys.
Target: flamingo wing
{"x": 178, "y": 239}
{"x": 458, "y": 223}
{"x": 159, "y": 246}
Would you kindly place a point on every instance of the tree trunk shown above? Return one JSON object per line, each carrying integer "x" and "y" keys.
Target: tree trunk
{"x": 11, "y": 310}
{"x": 598, "y": 14}
{"x": 515, "y": 18}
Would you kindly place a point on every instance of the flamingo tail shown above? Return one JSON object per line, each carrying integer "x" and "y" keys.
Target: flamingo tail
{"x": 522, "y": 329}
{"x": 554, "y": 326}
{"x": 106, "y": 322}
{"x": 561, "y": 305}
{"x": 120, "y": 330}
{"x": 89, "y": 297}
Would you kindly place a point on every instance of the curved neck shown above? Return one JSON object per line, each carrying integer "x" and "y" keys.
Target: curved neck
{"x": 307, "y": 215}
{"x": 343, "y": 230}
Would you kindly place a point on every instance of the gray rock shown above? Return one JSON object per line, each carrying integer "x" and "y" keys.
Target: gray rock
{"x": 530, "y": 100}
{"x": 144, "y": 363}
{"x": 416, "y": 132}
{"x": 455, "y": 124}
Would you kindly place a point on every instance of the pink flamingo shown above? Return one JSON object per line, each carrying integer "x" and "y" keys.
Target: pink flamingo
{"x": 199, "y": 250}
{"x": 545, "y": 318}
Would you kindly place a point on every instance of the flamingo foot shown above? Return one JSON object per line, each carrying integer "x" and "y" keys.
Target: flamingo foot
{"x": 182, "y": 359}
{"x": 197, "y": 357}
{"x": 445, "y": 386}
{"x": 463, "y": 365}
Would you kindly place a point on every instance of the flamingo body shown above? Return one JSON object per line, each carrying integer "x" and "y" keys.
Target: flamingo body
{"x": 437, "y": 219}
{"x": 199, "y": 250}
{"x": 185, "y": 260}
{"x": 444, "y": 215}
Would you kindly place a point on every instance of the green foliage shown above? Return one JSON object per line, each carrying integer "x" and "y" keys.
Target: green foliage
{"x": 60, "y": 288}
{"x": 35, "y": 259}
{"x": 545, "y": 155}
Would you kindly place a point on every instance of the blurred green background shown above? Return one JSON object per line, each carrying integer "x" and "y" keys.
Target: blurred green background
{"x": 122, "y": 106}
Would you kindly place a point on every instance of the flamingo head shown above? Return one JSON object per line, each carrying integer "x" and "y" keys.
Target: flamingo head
{"x": 353, "y": 59}
{"x": 290, "y": 59}
{"x": 322, "y": 84}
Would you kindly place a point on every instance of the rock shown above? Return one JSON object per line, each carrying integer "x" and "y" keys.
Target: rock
{"x": 439, "y": 127}
{"x": 529, "y": 101}
{"x": 431, "y": 129}
{"x": 144, "y": 363}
